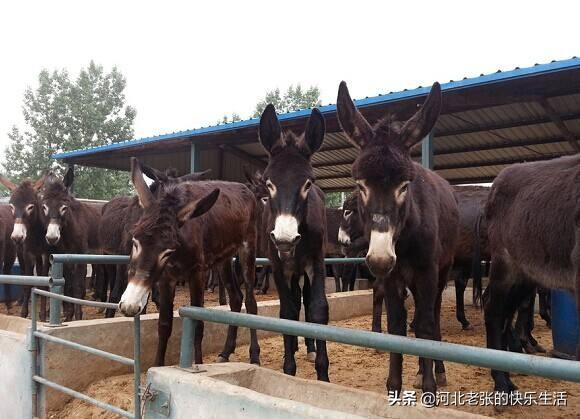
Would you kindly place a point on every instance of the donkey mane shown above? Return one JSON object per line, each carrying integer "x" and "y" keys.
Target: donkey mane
{"x": 159, "y": 218}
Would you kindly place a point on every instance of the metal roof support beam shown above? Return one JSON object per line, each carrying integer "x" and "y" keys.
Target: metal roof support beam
{"x": 193, "y": 158}
{"x": 427, "y": 160}
{"x": 566, "y": 133}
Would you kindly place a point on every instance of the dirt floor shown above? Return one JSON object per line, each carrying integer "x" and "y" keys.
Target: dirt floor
{"x": 366, "y": 369}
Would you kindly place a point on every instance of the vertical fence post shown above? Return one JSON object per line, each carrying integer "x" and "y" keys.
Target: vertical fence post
{"x": 187, "y": 337}
{"x": 137, "y": 366}
{"x": 33, "y": 348}
{"x": 55, "y": 305}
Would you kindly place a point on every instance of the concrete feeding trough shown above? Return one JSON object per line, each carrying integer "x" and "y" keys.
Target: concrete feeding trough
{"x": 236, "y": 390}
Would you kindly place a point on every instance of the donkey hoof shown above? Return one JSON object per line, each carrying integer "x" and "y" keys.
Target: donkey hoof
{"x": 467, "y": 326}
{"x": 222, "y": 359}
{"x": 418, "y": 381}
{"x": 539, "y": 348}
{"x": 441, "y": 379}
{"x": 311, "y": 356}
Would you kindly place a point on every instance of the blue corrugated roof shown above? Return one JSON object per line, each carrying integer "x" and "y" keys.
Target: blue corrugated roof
{"x": 483, "y": 79}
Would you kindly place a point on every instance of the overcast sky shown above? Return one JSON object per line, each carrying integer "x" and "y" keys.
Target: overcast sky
{"x": 189, "y": 63}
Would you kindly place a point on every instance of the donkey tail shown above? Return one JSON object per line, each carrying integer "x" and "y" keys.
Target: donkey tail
{"x": 476, "y": 271}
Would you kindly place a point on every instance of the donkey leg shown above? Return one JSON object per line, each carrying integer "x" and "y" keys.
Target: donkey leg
{"x": 460, "y": 285}
{"x": 396, "y": 325}
{"x": 378, "y": 300}
{"x": 165, "y": 323}
{"x": 119, "y": 286}
{"x": 235, "y": 297}
{"x": 307, "y": 296}
{"x": 28, "y": 270}
{"x": 248, "y": 265}
{"x": 440, "y": 376}
{"x": 425, "y": 293}
{"x": 266, "y": 282}
{"x": 319, "y": 313}
{"x": 196, "y": 292}
{"x": 497, "y": 316}
{"x": 80, "y": 288}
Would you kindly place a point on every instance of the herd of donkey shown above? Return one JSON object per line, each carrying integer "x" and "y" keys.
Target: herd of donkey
{"x": 413, "y": 228}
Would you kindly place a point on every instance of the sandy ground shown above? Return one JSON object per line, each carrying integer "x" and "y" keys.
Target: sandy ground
{"x": 367, "y": 369}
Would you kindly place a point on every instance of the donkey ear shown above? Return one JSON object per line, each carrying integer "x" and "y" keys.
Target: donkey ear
{"x": 153, "y": 174}
{"x": 198, "y": 207}
{"x": 69, "y": 177}
{"x": 315, "y": 130}
{"x": 143, "y": 191}
{"x": 7, "y": 183}
{"x": 270, "y": 131}
{"x": 40, "y": 182}
{"x": 248, "y": 175}
{"x": 195, "y": 176}
{"x": 421, "y": 124}
{"x": 356, "y": 127}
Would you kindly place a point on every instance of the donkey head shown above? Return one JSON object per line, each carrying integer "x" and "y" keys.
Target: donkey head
{"x": 384, "y": 171}
{"x": 156, "y": 236}
{"x": 289, "y": 175}
{"x": 351, "y": 226}
{"x": 25, "y": 206}
{"x": 255, "y": 181}
{"x": 56, "y": 204}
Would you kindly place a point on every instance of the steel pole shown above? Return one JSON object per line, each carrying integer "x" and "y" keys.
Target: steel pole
{"x": 137, "y": 364}
{"x": 55, "y": 305}
{"x": 187, "y": 337}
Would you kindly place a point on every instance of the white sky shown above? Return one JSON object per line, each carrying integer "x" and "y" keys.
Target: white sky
{"x": 189, "y": 63}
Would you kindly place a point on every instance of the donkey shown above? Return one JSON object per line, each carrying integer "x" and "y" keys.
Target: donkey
{"x": 533, "y": 218}
{"x": 28, "y": 234}
{"x": 355, "y": 244}
{"x": 410, "y": 217}
{"x": 296, "y": 224}
{"x": 7, "y": 246}
{"x": 184, "y": 230}
{"x": 71, "y": 227}
{"x": 119, "y": 217}
{"x": 257, "y": 185}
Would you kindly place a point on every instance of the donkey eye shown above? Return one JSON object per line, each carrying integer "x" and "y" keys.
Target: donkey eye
{"x": 12, "y": 209}
{"x": 347, "y": 213}
{"x": 308, "y": 185}
{"x": 63, "y": 209}
{"x": 264, "y": 200}
{"x": 404, "y": 188}
{"x": 29, "y": 208}
{"x": 45, "y": 209}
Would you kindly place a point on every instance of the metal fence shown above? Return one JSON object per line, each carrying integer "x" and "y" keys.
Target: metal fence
{"x": 482, "y": 357}
{"x": 56, "y": 285}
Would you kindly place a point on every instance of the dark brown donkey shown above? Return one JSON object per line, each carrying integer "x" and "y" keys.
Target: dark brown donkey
{"x": 533, "y": 216}
{"x": 28, "y": 234}
{"x": 188, "y": 228}
{"x": 7, "y": 247}
{"x": 71, "y": 227}
{"x": 116, "y": 228}
{"x": 410, "y": 217}
{"x": 297, "y": 227}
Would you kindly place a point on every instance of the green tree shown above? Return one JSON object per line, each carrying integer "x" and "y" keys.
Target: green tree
{"x": 60, "y": 115}
{"x": 334, "y": 199}
{"x": 293, "y": 99}
{"x": 229, "y": 119}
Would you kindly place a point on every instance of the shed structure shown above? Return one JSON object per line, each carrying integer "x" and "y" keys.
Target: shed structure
{"x": 487, "y": 123}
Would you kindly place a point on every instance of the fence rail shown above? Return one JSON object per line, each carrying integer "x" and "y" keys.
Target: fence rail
{"x": 463, "y": 354}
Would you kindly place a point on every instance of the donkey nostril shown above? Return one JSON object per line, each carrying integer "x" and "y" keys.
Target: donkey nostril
{"x": 296, "y": 239}
{"x": 272, "y": 236}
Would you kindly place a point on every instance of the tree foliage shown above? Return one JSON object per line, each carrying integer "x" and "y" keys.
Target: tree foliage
{"x": 334, "y": 199}
{"x": 293, "y": 99}
{"x": 62, "y": 115}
